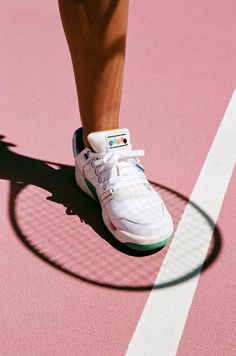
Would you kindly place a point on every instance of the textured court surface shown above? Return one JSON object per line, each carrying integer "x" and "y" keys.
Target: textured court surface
{"x": 67, "y": 288}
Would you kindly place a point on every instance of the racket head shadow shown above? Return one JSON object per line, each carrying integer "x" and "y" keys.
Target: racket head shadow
{"x": 60, "y": 224}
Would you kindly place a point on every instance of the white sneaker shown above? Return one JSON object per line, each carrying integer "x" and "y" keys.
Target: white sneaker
{"x": 111, "y": 173}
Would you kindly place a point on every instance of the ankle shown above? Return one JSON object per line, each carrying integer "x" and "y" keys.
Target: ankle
{"x": 86, "y": 142}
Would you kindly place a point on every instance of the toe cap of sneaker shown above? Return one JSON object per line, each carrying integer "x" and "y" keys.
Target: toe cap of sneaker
{"x": 145, "y": 233}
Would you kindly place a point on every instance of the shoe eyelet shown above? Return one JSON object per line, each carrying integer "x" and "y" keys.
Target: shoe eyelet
{"x": 86, "y": 155}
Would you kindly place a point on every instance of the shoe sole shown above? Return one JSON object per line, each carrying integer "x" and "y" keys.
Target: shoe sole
{"x": 148, "y": 247}
{"x": 120, "y": 235}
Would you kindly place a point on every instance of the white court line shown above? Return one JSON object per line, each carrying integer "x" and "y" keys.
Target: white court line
{"x": 160, "y": 327}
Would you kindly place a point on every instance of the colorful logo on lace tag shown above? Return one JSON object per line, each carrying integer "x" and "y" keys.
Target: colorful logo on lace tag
{"x": 116, "y": 141}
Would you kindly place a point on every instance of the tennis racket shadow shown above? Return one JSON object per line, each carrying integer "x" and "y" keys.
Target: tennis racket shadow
{"x": 62, "y": 227}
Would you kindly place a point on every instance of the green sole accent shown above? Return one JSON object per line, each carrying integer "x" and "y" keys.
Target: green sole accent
{"x": 92, "y": 190}
{"x": 148, "y": 247}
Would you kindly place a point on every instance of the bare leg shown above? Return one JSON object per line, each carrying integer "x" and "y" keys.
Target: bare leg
{"x": 96, "y": 35}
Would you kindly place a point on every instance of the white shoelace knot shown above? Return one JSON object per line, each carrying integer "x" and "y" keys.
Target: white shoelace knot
{"x": 117, "y": 168}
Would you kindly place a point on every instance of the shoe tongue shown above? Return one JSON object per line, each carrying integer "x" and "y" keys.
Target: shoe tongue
{"x": 110, "y": 140}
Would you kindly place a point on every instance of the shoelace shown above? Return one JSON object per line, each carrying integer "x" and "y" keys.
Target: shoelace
{"x": 116, "y": 168}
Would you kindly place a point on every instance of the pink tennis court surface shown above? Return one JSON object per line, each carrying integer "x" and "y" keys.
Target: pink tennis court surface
{"x": 68, "y": 288}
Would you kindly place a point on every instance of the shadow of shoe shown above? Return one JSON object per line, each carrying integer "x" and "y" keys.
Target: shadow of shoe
{"x": 62, "y": 228}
